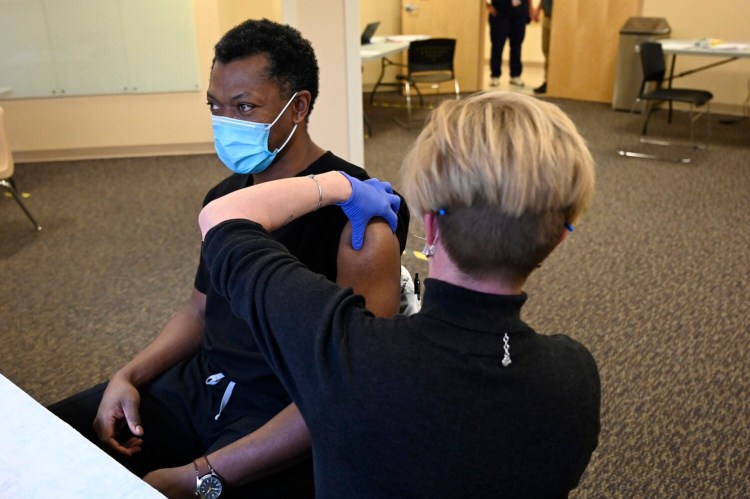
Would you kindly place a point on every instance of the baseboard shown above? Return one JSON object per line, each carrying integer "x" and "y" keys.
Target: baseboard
{"x": 733, "y": 109}
{"x": 113, "y": 152}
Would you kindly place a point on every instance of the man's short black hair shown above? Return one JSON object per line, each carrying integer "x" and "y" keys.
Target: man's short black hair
{"x": 292, "y": 62}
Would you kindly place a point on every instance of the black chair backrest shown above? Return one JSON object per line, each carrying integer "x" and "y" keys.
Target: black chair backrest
{"x": 652, "y": 62}
{"x": 433, "y": 54}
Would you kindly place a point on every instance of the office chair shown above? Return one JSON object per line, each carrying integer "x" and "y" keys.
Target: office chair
{"x": 429, "y": 61}
{"x": 652, "y": 63}
{"x": 6, "y": 170}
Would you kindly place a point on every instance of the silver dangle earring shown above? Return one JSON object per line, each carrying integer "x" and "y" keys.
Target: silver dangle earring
{"x": 429, "y": 249}
{"x": 506, "y": 348}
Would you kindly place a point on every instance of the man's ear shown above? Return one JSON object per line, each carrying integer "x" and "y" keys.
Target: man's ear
{"x": 301, "y": 106}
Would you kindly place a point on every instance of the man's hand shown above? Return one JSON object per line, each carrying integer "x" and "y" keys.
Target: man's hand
{"x": 173, "y": 482}
{"x": 118, "y": 412}
{"x": 492, "y": 10}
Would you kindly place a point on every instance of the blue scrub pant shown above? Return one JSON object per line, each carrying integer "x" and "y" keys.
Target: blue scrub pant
{"x": 503, "y": 28}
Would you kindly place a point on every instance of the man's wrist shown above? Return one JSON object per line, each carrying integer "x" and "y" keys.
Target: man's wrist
{"x": 122, "y": 376}
{"x": 208, "y": 482}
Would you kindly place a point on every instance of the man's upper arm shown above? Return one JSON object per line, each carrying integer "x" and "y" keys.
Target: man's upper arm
{"x": 375, "y": 270}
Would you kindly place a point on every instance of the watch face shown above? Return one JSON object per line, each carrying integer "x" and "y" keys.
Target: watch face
{"x": 210, "y": 487}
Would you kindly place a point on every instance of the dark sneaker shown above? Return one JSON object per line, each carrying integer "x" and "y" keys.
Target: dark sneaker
{"x": 541, "y": 89}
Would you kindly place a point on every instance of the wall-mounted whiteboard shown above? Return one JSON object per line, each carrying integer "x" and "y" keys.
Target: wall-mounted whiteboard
{"x": 53, "y": 48}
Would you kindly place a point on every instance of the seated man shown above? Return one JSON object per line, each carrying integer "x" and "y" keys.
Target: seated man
{"x": 203, "y": 383}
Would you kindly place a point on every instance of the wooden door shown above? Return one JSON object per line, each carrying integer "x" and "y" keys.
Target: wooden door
{"x": 583, "y": 47}
{"x": 459, "y": 19}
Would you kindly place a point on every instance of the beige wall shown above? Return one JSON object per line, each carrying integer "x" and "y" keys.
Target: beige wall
{"x": 177, "y": 123}
{"x": 119, "y": 125}
{"x": 593, "y": 52}
{"x": 388, "y": 12}
{"x": 332, "y": 26}
{"x": 233, "y": 12}
{"x": 728, "y": 20}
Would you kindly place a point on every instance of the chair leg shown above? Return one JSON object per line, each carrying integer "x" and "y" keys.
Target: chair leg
{"x": 407, "y": 91}
{"x": 408, "y": 103}
{"x": 419, "y": 93}
{"x": 650, "y": 109}
{"x": 380, "y": 79}
{"x": 693, "y": 119}
{"x": 631, "y": 154}
{"x": 368, "y": 125}
{"x": 10, "y": 188}
{"x": 644, "y": 139}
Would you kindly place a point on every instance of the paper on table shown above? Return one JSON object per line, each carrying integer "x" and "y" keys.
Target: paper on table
{"x": 406, "y": 38}
{"x": 44, "y": 457}
{"x": 728, "y": 46}
{"x": 677, "y": 45}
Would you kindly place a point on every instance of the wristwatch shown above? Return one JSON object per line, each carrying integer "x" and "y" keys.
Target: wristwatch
{"x": 210, "y": 485}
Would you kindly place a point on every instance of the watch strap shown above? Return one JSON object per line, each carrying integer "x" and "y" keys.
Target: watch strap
{"x": 199, "y": 478}
{"x": 211, "y": 468}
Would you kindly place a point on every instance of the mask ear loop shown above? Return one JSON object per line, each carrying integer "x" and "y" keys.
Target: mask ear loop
{"x": 282, "y": 111}
{"x": 287, "y": 140}
{"x": 277, "y": 119}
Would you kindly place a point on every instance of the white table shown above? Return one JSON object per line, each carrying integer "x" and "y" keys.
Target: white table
{"x": 728, "y": 51}
{"x": 731, "y": 50}
{"x": 382, "y": 47}
{"x": 44, "y": 457}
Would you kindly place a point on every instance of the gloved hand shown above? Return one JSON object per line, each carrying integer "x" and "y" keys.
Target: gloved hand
{"x": 371, "y": 198}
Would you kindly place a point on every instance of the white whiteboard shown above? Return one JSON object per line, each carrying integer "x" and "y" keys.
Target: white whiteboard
{"x": 53, "y": 48}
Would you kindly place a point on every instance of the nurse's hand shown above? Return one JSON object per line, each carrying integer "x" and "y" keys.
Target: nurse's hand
{"x": 370, "y": 198}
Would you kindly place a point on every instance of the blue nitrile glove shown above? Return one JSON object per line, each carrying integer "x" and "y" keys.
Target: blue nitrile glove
{"x": 369, "y": 199}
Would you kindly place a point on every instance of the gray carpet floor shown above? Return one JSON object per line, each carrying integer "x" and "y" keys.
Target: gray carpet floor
{"x": 654, "y": 280}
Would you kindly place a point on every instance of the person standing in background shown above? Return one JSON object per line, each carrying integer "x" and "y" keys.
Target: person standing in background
{"x": 508, "y": 20}
{"x": 545, "y": 7}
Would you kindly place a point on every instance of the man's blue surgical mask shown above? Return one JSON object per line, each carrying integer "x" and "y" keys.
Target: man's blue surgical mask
{"x": 243, "y": 145}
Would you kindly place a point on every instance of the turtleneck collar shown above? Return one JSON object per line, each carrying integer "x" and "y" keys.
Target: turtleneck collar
{"x": 466, "y": 308}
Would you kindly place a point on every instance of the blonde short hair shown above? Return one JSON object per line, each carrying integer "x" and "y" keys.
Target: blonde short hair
{"x": 509, "y": 161}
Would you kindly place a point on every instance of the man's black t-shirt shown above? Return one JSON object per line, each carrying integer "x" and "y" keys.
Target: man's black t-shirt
{"x": 228, "y": 345}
